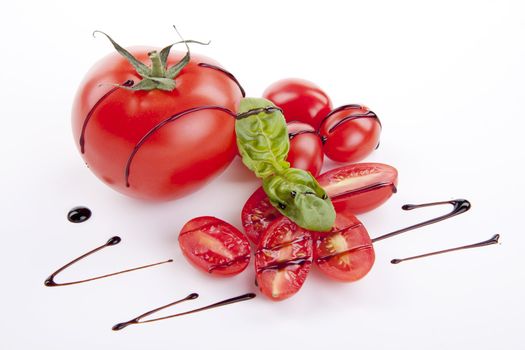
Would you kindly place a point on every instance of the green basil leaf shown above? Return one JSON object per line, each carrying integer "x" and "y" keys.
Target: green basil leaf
{"x": 262, "y": 137}
{"x": 297, "y": 195}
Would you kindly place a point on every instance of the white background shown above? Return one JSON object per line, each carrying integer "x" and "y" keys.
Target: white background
{"x": 446, "y": 79}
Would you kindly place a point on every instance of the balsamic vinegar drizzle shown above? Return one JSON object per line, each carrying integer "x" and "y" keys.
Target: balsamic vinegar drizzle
{"x": 459, "y": 207}
{"x": 368, "y": 188}
{"x": 137, "y": 320}
{"x": 79, "y": 214}
{"x": 50, "y": 281}
{"x": 294, "y": 134}
{"x": 255, "y": 111}
{"x": 493, "y": 240}
{"x": 82, "y": 140}
{"x": 160, "y": 125}
{"x": 228, "y": 74}
{"x": 368, "y": 114}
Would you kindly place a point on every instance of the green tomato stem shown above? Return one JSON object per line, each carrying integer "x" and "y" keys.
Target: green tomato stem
{"x": 157, "y": 69}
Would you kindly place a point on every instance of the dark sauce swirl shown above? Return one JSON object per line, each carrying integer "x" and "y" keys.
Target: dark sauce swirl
{"x": 228, "y": 74}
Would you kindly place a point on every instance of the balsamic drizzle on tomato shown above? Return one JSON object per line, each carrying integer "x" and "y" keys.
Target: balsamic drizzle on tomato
{"x": 138, "y": 320}
{"x": 291, "y": 135}
{"x": 368, "y": 188}
{"x": 82, "y": 139}
{"x": 368, "y": 114}
{"x": 255, "y": 111}
{"x": 228, "y": 74}
{"x": 493, "y": 240}
{"x": 460, "y": 206}
{"x": 160, "y": 125}
{"x": 79, "y": 214}
{"x": 50, "y": 281}
{"x": 287, "y": 263}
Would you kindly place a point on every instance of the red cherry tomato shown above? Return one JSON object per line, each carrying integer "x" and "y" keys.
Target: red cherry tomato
{"x": 214, "y": 246}
{"x": 283, "y": 259}
{"x": 358, "y": 188}
{"x": 346, "y": 252}
{"x": 300, "y": 100}
{"x": 350, "y": 133}
{"x": 174, "y": 159}
{"x": 257, "y": 214}
{"x": 306, "y": 148}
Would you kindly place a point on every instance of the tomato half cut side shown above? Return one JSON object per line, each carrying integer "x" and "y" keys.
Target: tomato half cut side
{"x": 346, "y": 252}
{"x": 283, "y": 259}
{"x": 257, "y": 214}
{"x": 306, "y": 148}
{"x": 214, "y": 246}
{"x": 358, "y": 188}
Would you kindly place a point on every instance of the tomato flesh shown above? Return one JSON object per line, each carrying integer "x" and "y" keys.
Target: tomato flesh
{"x": 257, "y": 214}
{"x": 283, "y": 259}
{"x": 358, "y": 188}
{"x": 300, "y": 100}
{"x": 306, "y": 148}
{"x": 346, "y": 252}
{"x": 350, "y": 132}
{"x": 214, "y": 246}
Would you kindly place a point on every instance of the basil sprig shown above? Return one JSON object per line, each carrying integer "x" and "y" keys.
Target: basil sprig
{"x": 262, "y": 139}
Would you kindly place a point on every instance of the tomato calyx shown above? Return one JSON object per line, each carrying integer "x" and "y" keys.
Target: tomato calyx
{"x": 157, "y": 76}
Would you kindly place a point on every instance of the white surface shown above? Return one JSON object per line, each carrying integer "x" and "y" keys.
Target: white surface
{"x": 446, "y": 80}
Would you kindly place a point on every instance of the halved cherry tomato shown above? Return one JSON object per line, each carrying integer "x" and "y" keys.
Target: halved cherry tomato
{"x": 350, "y": 133}
{"x": 306, "y": 148}
{"x": 283, "y": 259}
{"x": 346, "y": 252}
{"x": 214, "y": 246}
{"x": 300, "y": 100}
{"x": 358, "y": 188}
{"x": 257, "y": 214}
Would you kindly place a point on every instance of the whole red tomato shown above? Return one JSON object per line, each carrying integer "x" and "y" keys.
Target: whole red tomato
{"x": 306, "y": 148}
{"x": 350, "y": 133}
{"x": 300, "y": 100}
{"x": 156, "y": 144}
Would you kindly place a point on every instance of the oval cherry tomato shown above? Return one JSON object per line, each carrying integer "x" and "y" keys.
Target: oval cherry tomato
{"x": 257, "y": 214}
{"x": 306, "y": 148}
{"x": 283, "y": 259}
{"x": 300, "y": 100}
{"x": 350, "y": 133}
{"x": 358, "y": 188}
{"x": 176, "y": 158}
{"x": 346, "y": 252}
{"x": 214, "y": 246}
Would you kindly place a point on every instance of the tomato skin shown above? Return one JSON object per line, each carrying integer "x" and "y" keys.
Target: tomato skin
{"x": 173, "y": 161}
{"x": 214, "y": 246}
{"x": 283, "y": 259}
{"x": 350, "y": 132}
{"x": 306, "y": 148}
{"x": 358, "y": 188}
{"x": 346, "y": 252}
{"x": 300, "y": 100}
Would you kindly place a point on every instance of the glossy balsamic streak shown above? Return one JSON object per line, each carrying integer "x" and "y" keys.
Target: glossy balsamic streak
{"x": 491, "y": 241}
{"x": 368, "y": 114}
{"x": 137, "y": 320}
{"x": 228, "y": 74}
{"x": 255, "y": 111}
{"x": 50, "y": 281}
{"x": 297, "y": 133}
{"x": 79, "y": 214}
{"x": 82, "y": 140}
{"x": 459, "y": 207}
{"x": 368, "y": 188}
{"x": 284, "y": 264}
{"x": 160, "y": 125}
